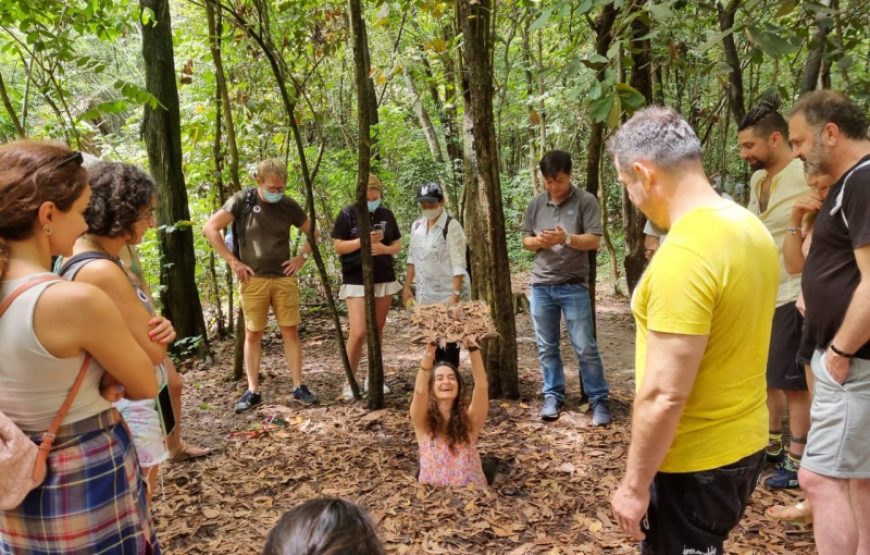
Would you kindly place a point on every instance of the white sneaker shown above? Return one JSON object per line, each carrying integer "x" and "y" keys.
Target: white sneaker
{"x": 347, "y": 392}
{"x": 366, "y": 387}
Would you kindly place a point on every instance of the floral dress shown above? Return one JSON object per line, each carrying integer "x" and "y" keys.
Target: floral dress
{"x": 440, "y": 467}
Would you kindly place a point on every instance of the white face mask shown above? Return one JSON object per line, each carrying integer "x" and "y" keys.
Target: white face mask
{"x": 431, "y": 213}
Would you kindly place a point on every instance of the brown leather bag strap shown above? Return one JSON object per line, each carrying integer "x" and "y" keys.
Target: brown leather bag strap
{"x": 48, "y": 437}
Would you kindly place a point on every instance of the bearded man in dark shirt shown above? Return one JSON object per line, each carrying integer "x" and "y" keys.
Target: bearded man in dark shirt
{"x": 829, "y": 132}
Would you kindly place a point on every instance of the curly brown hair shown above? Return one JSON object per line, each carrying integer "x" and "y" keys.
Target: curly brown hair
{"x": 32, "y": 173}
{"x": 457, "y": 430}
{"x": 119, "y": 195}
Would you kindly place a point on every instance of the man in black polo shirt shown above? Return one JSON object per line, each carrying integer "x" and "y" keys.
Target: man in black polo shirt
{"x": 561, "y": 226}
{"x": 829, "y": 133}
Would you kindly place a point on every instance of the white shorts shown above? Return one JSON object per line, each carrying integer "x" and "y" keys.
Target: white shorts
{"x": 381, "y": 290}
{"x": 143, "y": 420}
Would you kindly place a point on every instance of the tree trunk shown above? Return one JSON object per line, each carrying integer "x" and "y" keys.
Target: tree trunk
{"x": 640, "y": 79}
{"x": 813, "y": 65}
{"x": 474, "y": 20}
{"x": 214, "y": 19}
{"x": 10, "y": 110}
{"x": 735, "y": 76}
{"x": 217, "y": 154}
{"x": 162, "y": 130}
{"x": 423, "y": 117}
{"x": 364, "y": 101}
{"x": 603, "y": 27}
{"x": 534, "y": 153}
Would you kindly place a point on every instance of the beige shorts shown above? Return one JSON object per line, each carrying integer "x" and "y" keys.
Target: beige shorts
{"x": 260, "y": 293}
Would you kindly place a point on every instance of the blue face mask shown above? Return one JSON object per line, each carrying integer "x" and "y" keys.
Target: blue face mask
{"x": 271, "y": 197}
{"x": 373, "y": 204}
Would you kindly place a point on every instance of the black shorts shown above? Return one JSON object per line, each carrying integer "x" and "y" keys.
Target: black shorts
{"x": 693, "y": 512}
{"x": 783, "y": 370}
{"x": 807, "y": 346}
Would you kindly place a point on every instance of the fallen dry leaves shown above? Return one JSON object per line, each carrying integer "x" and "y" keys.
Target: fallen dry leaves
{"x": 458, "y": 323}
{"x": 551, "y": 494}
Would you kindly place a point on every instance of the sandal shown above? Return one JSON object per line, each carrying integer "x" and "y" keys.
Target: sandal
{"x": 799, "y": 513}
{"x": 189, "y": 452}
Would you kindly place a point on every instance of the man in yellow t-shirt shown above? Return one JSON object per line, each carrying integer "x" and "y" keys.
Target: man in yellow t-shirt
{"x": 703, "y": 311}
{"x": 779, "y": 180}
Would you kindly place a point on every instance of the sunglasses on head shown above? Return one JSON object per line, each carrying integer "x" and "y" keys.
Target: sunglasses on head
{"x": 74, "y": 157}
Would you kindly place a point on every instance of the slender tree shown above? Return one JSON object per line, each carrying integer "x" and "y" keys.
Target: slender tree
{"x": 491, "y": 270}
{"x": 162, "y": 131}
{"x": 364, "y": 150}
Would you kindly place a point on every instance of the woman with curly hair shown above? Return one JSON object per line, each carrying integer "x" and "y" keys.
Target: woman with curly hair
{"x": 121, "y": 210}
{"x": 446, "y": 424}
{"x": 93, "y": 498}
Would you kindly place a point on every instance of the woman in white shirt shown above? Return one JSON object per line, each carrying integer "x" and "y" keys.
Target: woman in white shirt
{"x": 437, "y": 262}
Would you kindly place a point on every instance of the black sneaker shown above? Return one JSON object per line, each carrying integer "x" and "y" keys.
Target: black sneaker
{"x": 248, "y": 400}
{"x": 304, "y": 395}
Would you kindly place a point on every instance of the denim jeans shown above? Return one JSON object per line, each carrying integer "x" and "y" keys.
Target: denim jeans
{"x": 548, "y": 303}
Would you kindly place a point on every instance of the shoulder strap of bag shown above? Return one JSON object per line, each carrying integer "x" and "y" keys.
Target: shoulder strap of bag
{"x": 447, "y": 226}
{"x": 48, "y": 436}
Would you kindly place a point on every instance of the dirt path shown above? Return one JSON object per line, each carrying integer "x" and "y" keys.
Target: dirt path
{"x": 551, "y": 494}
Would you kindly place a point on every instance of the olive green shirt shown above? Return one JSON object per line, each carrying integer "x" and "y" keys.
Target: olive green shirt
{"x": 267, "y": 232}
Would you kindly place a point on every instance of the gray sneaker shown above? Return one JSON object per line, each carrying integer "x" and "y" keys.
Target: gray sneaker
{"x": 304, "y": 395}
{"x": 551, "y": 408}
{"x": 601, "y": 413}
{"x": 248, "y": 400}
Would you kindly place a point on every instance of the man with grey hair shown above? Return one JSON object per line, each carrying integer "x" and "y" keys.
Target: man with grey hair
{"x": 829, "y": 132}
{"x": 703, "y": 310}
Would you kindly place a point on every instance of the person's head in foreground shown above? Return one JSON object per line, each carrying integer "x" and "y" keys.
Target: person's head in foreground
{"x": 325, "y": 526}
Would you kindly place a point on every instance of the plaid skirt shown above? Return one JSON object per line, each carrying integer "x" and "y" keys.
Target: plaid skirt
{"x": 92, "y": 501}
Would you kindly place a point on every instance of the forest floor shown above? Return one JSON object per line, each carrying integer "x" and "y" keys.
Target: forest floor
{"x": 551, "y": 495}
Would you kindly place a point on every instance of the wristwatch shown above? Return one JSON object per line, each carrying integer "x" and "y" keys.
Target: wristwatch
{"x": 567, "y": 241}
{"x": 304, "y": 255}
{"x": 457, "y": 293}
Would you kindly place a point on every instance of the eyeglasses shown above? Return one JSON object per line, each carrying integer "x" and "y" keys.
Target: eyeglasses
{"x": 74, "y": 157}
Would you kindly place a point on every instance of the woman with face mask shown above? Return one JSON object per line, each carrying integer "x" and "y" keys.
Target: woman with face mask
{"x": 385, "y": 239}
{"x": 436, "y": 258}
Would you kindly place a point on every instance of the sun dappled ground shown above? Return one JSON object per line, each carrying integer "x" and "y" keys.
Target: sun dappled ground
{"x": 551, "y": 494}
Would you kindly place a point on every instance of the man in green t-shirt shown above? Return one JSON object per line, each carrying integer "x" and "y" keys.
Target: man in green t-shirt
{"x": 265, "y": 270}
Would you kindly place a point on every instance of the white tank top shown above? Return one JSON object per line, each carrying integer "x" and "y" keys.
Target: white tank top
{"x": 33, "y": 382}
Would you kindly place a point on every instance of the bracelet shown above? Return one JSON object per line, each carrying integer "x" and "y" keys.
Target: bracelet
{"x": 473, "y": 349}
{"x": 425, "y": 369}
{"x": 838, "y": 352}
{"x": 793, "y": 230}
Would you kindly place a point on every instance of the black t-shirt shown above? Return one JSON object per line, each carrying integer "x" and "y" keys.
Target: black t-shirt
{"x": 345, "y": 228}
{"x": 831, "y": 273}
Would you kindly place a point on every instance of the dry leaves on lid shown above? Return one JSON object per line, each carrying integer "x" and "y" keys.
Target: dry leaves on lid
{"x": 456, "y": 323}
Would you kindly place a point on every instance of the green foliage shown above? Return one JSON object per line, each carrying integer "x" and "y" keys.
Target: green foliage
{"x": 73, "y": 71}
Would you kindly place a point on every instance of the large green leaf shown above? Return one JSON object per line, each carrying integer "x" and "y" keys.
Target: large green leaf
{"x": 771, "y": 43}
